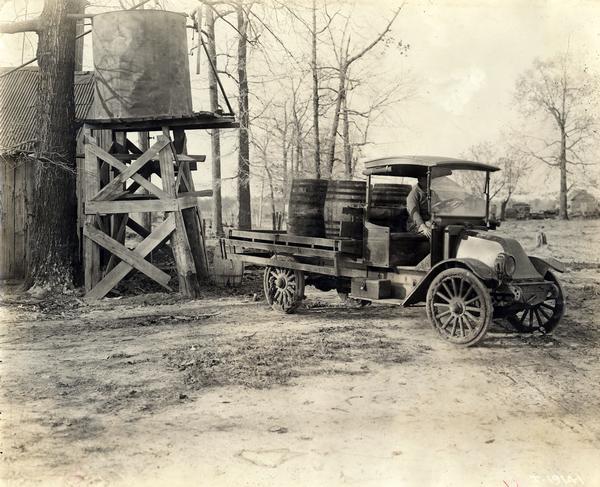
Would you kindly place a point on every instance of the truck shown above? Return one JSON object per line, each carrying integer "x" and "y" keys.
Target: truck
{"x": 466, "y": 274}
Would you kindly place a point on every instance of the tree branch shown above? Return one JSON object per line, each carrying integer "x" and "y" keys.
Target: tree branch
{"x": 376, "y": 40}
{"x": 31, "y": 25}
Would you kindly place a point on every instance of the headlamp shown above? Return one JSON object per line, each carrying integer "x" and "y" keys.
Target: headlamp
{"x": 505, "y": 265}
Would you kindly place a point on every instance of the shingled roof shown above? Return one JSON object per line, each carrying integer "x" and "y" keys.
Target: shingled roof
{"x": 18, "y": 99}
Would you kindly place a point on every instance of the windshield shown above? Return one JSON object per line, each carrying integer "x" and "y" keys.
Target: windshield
{"x": 461, "y": 193}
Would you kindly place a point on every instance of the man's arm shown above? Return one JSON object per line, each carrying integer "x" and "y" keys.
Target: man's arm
{"x": 412, "y": 205}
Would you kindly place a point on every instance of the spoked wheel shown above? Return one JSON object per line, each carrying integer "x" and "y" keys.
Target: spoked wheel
{"x": 284, "y": 288}
{"x": 459, "y": 307}
{"x": 543, "y": 316}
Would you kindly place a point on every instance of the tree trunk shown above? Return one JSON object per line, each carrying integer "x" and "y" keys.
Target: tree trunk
{"x": 243, "y": 187}
{"x": 315, "y": 94}
{"x": 52, "y": 236}
{"x": 272, "y": 199}
{"x": 336, "y": 119}
{"x": 562, "y": 211}
{"x": 284, "y": 154}
{"x": 215, "y": 134}
{"x": 346, "y": 136}
{"x": 503, "y": 206}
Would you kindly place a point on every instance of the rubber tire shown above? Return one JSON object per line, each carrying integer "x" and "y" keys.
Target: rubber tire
{"x": 487, "y": 309}
{"x": 556, "y": 318}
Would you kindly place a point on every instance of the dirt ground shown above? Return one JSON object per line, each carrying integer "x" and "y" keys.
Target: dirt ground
{"x": 158, "y": 390}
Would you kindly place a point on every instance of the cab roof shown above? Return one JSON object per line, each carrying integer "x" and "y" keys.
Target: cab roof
{"x": 415, "y": 166}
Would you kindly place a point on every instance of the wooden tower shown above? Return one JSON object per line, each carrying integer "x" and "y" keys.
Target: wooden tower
{"x": 109, "y": 181}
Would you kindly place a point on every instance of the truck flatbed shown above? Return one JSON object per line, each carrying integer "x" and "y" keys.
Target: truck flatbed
{"x": 327, "y": 256}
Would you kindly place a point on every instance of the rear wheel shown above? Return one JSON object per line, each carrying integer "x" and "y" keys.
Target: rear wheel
{"x": 284, "y": 288}
{"x": 459, "y": 307}
{"x": 543, "y": 316}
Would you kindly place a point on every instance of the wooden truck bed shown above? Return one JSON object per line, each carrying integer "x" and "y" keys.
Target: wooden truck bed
{"x": 334, "y": 257}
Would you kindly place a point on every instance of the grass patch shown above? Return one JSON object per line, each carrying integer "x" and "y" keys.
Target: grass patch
{"x": 264, "y": 359}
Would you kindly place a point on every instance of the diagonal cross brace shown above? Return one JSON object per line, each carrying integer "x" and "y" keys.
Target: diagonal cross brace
{"x": 138, "y": 178}
{"x": 126, "y": 255}
{"x": 114, "y": 188}
{"x": 159, "y": 235}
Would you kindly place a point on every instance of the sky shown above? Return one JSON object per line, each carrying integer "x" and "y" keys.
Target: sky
{"x": 464, "y": 59}
{"x": 467, "y": 56}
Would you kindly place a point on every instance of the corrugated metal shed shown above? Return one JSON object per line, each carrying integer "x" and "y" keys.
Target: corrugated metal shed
{"x": 18, "y": 112}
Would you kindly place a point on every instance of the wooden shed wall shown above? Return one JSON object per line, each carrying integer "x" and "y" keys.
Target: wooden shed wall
{"x": 14, "y": 178}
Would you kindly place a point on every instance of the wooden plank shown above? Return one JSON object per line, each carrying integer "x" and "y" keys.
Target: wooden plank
{"x": 115, "y": 185}
{"x": 112, "y": 207}
{"x": 119, "y": 225}
{"x": 158, "y": 236}
{"x": 91, "y": 177}
{"x": 20, "y": 219}
{"x": 202, "y": 193}
{"x": 312, "y": 268}
{"x": 193, "y": 224}
{"x": 6, "y": 219}
{"x": 284, "y": 237}
{"x": 200, "y": 120}
{"x": 138, "y": 178}
{"x": 134, "y": 155}
{"x": 185, "y": 202}
{"x": 184, "y": 260}
{"x": 137, "y": 228}
{"x": 128, "y": 256}
{"x": 283, "y": 249}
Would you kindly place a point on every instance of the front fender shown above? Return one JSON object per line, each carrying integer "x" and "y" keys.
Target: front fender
{"x": 544, "y": 264}
{"x": 481, "y": 270}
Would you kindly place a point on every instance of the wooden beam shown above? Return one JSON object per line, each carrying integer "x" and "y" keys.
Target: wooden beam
{"x": 122, "y": 168}
{"x": 91, "y": 177}
{"x": 193, "y": 222}
{"x": 317, "y": 269}
{"x": 129, "y": 206}
{"x": 127, "y": 255}
{"x": 184, "y": 260}
{"x": 115, "y": 185}
{"x": 119, "y": 236}
{"x": 137, "y": 228}
{"x": 157, "y": 237}
{"x": 200, "y": 120}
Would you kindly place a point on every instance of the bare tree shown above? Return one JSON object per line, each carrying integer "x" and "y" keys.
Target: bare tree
{"x": 217, "y": 216}
{"x": 513, "y": 164}
{"x": 345, "y": 60}
{"x": 51, "y": 227}
{"x": 243, "y": 182}
{"x": 560, "y": 93}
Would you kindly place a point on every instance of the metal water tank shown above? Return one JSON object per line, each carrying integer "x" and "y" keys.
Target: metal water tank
{"x": 141, "y": 64}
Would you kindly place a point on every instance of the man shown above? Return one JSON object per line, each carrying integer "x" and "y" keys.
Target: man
{"x": 418, "y": 209}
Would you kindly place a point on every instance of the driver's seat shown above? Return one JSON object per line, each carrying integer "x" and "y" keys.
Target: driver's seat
{"x": 384, "y": 248}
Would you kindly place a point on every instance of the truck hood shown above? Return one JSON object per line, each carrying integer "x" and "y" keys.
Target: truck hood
{"x": 485, "y": 247}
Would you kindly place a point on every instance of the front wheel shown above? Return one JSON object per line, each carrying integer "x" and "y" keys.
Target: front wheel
{"x": 544, "y": 316}
{"x": 284, "y": 288}
{"x": 459, "y": 307}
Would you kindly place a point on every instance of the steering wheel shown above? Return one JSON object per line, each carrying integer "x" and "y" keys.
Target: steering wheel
{"x": 450, "y": 204}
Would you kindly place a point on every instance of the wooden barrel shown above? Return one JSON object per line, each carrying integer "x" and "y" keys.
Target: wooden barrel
{"x": 390, "y": 195}
{"x": 305, "y": 208}
{"x": 388, "y": 206}
{"x": 227, "y": 272}
{"x": 343, "y": 197}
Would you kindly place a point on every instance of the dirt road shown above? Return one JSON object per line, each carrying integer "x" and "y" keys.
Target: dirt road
{"x": 155, "y": 390}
